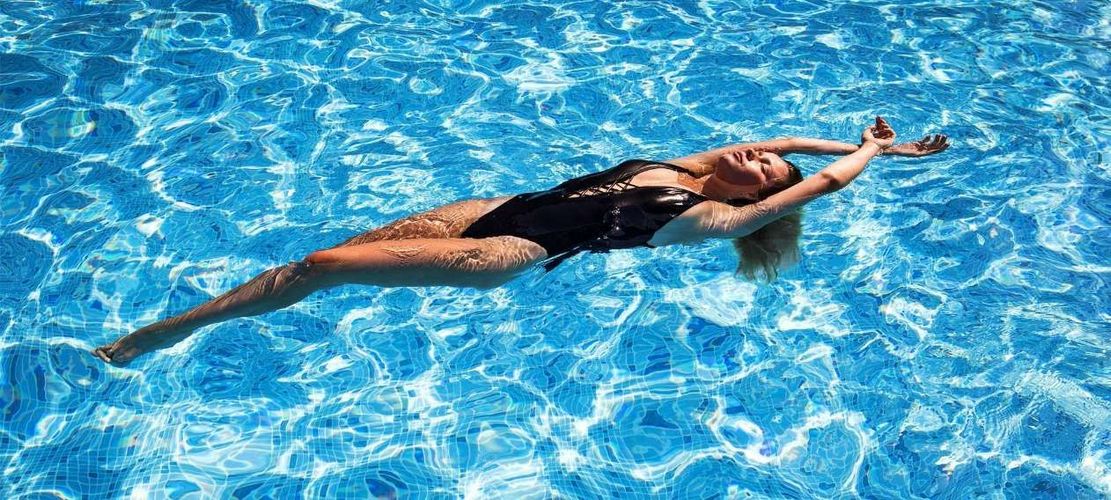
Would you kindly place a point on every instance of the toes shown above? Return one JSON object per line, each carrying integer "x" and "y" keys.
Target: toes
{"x": 112, "y": 355}
{"x": 104, "y": 353}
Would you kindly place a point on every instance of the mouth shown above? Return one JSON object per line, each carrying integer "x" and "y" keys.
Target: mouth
{"x": 743, "y": 161}
{"x": 741, "y": 158}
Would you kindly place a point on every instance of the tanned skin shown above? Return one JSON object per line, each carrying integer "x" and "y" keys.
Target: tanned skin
{"x": 428, "y": 249}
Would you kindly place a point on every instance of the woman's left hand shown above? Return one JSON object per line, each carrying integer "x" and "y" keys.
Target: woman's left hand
{"x": 928, "y": 145}
{"x": 879, "y": 134}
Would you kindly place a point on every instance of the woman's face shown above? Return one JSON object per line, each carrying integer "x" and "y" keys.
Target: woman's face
{"x": 751, "y": 169}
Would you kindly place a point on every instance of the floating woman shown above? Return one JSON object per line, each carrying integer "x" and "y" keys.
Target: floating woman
{"x": 746, "y": 192}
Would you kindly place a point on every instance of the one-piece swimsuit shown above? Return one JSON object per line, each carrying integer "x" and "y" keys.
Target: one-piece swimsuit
{"x": 596, "y": 212}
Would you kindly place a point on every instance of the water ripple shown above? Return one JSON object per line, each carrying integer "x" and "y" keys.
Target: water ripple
{"x": 943, "y": 336}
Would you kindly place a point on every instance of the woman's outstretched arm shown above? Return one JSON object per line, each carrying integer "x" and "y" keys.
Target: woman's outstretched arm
{"x": 927, "y": 145}
{"x": 703, "y": 163}
{"x": 725, "y": 221}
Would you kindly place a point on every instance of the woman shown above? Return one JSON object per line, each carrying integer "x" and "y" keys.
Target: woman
{"x": 730, "y": 192}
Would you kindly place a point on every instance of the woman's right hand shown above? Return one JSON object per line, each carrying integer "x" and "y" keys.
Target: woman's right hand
{"x": 881, "y": 134}
{"x": 927, "y": 145}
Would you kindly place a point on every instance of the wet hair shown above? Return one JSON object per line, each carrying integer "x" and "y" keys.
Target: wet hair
{"x": 774, "y": 247}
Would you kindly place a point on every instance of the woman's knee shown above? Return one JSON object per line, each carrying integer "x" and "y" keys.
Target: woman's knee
{"x": 321, "y": 257}
{"x": 317, "y": 266}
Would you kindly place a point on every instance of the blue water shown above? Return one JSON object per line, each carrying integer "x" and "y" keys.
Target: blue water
{"x": 946, "y": 334}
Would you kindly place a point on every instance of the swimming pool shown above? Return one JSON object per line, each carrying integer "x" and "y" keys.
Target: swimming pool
{"x": 946, "y": 334}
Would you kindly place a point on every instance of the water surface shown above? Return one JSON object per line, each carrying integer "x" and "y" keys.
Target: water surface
{"x": 946, "y": 334}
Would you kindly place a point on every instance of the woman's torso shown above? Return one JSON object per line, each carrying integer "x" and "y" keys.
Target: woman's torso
{"x": 630, "y": 205}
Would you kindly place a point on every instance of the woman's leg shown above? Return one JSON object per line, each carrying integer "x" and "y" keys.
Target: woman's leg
{"x": 478, "y": 263}
{"x": 273, "y": 289}
{"x": 448, "y": 221}
{"x": 462, "y": 262}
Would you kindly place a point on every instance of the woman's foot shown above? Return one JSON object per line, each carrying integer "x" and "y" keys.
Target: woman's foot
{"x": 139, "y": 342}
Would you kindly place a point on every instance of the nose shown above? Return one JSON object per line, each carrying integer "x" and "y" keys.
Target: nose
{"x": 749, "y": 156}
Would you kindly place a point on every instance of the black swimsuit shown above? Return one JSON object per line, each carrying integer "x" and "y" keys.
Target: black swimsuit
{"x": 595, "y": 212}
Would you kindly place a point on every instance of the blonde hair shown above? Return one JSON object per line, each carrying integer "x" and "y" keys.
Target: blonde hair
{"x": 774, "y": 247}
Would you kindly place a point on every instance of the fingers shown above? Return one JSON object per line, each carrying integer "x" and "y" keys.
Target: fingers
{"x": 882, "y": 130}
{"x": 941, "y": 142}
{"x": 931, "y": 143}
{"x": 935, "y": 142}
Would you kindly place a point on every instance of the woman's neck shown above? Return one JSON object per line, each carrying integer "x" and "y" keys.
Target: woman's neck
{"x": 716, "y": 189}
{"x": 692, "y": 183}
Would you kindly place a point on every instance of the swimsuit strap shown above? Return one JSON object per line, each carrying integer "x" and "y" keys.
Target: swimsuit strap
{"x": 624, "y": 180}
{"x": 553, "y": 262}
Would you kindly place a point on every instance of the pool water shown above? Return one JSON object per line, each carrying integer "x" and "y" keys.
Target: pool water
{"x": 946, "y": 334}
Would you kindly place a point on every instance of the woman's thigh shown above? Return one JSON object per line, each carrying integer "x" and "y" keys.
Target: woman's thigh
{"x": 465, "y": 262}
{"x": 448, "y": 221}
